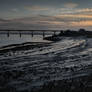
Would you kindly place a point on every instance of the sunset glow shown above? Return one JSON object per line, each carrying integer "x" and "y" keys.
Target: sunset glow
{"x": 46, "y": 14}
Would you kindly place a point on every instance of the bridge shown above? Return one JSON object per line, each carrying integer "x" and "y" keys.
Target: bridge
{"x": 30, "y": 32}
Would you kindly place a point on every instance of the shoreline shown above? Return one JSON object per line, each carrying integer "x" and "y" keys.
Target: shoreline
{"x": 23, "y": 46}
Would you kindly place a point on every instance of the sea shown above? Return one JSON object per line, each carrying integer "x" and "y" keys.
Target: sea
{"x": 28, "y": 69}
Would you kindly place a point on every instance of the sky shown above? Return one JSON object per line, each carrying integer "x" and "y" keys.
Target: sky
{"x": 46, "y": 14}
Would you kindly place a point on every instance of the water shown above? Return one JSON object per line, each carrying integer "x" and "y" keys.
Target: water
{"x": 16, "y": 39}
{"x": 30, "y": 69}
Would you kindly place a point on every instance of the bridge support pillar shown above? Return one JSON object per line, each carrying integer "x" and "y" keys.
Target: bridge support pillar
{"x": 43, "y": 34}
{"x": 8, "y": 34}
{"x": 20, "y": 34}
{"x": 54, "y": 32}
{"x": 32, "y": 34}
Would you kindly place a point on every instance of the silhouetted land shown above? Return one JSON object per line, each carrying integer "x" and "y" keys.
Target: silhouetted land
{"x": 81, "y": 32}
{"x": 70, "y": 33}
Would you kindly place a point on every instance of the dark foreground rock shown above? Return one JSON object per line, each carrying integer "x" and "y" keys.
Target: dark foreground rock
{"x": 80, "y": 84}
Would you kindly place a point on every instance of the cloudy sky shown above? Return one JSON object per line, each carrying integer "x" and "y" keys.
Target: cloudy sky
{"x": 45, "y": 14}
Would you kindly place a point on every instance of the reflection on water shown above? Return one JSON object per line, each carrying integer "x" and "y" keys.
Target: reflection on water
{"x": 16, "y": 39}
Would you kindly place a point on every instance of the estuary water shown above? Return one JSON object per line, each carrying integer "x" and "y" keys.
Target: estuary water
{"x": 25, "y": 70}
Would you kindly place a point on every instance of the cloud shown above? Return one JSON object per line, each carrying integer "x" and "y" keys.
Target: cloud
{"x": 85, "y": 10}
{"x": 70, "y": 5}
{"x": 75, "y": 16}
{"x": 36, "y": 8}
{"x": 14, "y": 10}
{"x": 4, "y": 21}
{"x": 82, "y": 23}
{"x": 49, "y": 22}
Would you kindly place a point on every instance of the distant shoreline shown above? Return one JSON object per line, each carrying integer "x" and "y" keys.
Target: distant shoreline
{"x": 69, "y": 33}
